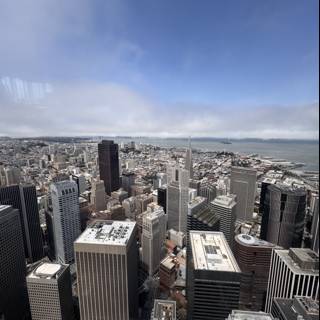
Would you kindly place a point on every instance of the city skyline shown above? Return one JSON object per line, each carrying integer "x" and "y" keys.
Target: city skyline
{"x": 200, "y": 70}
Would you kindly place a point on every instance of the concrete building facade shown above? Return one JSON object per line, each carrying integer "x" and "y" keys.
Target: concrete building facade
{"x": 107, "y": 270}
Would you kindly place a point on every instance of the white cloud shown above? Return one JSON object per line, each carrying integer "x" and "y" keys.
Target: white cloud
{"x": 112, "y": 109}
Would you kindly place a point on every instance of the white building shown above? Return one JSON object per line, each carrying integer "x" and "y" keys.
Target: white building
{"x": 107, "y": 269}
{"x": 293, "y": 272}
{"x": 225, "y": 208}
{"x": 50, "y": 293}
{"x": 98, "y": 196}
{"x": 243, "y": 185}
{"x": 153, "y": 237}
{"x": 177, "y": 200}
{"x": 66, "y": 218}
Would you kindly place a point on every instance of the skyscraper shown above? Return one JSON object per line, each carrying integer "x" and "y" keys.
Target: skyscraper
{"x": 188, "y": 163}
{"x": 213, "y": 277}
{"x": 225, "y": 208}
{"x": 107, "y": 269}
{"x": 284, "y": 216}
{"x": 108, "y": 157}
{"x": 208, "y": 190}
{"x": 293, "y": 272}
{"x": 177, "y": 201}
{"x": 127, "y": 181}
{"x": 66, "y": 219}
{"x": 12, "y": 176}
{"x": 315, "y": 223}
{"x": 162, "y": 197}
{"x": 204, "y": 219}
{"x": 243, "y": 185}
{"x": 50, "y": 294}
{"x": 98, "y": 196}
{"x": 153, "y": 237}
{"x": 24, "y": 198}
{"x": 253, "y": 256}
{"x": 264, "y": 189}
{"x": 13, "y": 288}
{"x": 80, "y": 180}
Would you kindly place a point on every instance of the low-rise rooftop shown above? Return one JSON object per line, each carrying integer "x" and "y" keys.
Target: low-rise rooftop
{"x": 164, "y": 310}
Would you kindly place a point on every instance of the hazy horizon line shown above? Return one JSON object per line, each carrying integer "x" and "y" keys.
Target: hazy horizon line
{"x": 223, "y": 139}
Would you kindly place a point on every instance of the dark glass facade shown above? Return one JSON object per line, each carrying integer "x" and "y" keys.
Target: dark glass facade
{"x": 284, "y": 216}
{"x": 108, "y": 157}
{"x": 24, "y": 198}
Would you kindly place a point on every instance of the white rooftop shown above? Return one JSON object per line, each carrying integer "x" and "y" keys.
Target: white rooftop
{"x": 248, "y": 315}
{"x": 108, "y": 233}
{"x": 225, "y": 201}
{"x": 212, "y": 252}
{"x": 46, "y": 270}
{"x": 196, "y": 201}
{"x": 248, "y": 240}
{"x": 3, "y": 207}
{"x": 293, "y": 266}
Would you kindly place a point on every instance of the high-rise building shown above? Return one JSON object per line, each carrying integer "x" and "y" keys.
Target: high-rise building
{"x": 253, "y": 256}
{"x": 119, "y": 195}
{"x": 299, "y": 308}
{"x": 243, "y": 185}
{"x": 66, "y": 219}
{"x": 264, "y": 189}
{"x": 127, "y": 181}
{"x": 225, "y": 207}
{"x": 213, "y": 279}
{"x": 293, "y": 272}
{"x": 98, "y": 196}
{"x": 177, "y": 201}
{"x": 129, "y": 206}
{"x": 142, "y": 201}
{"x": 49, "y": 235}
{"x": 284, "y": 216}
{"x": 159, "y": 180}
{"x": 107, "y": 271}
{"x": 195, "y": 184}
{"x": 195, "y": 205}
{"x": 13, "y": 288}
{"x": 12, "y": 176}
{"x": 164, "y": 310}
{"x": 208, "y": 190}
{"x": 162, "y": 197}
{"x": 189, "y": 163}
{"x": 249, "y": 315}
{"x": 203, "y": 219}
{"x": 50, "y": 294}
{"x": 80, "y": 180}
{"x": 108, "y": 157}
{"x": 315, "y": 223}
{"x": 153, "y": 237}
{"x": 24, "y": 198}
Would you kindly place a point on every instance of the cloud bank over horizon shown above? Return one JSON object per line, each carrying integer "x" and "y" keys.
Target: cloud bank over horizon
{"x": 90, "y": 109}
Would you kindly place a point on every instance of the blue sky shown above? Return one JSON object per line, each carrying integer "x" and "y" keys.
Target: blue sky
{"x": 170, "y": 68}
